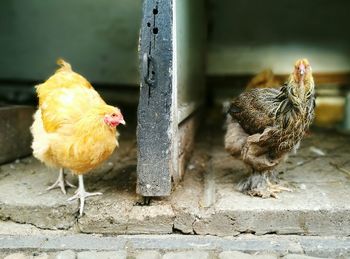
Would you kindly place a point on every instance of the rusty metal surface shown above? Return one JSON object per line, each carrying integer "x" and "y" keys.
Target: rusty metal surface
{"x": 15, "y": 137}
{"x": 157, "y": 122}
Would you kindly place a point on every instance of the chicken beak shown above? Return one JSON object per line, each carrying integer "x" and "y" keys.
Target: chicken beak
{"x": 302, "y": 69}
{"x": 122, "y": 121}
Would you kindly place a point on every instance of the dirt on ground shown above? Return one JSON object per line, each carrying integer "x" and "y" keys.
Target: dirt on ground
{"x": 205, "y": 202}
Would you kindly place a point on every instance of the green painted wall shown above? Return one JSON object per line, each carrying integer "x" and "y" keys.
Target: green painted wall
{"x": 99, "y": 38}
{"x": 247, "y": 36}
{"x": 190, "y": 54}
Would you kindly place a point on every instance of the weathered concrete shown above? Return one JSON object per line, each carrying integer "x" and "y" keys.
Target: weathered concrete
{"x": 205, "y": 202}
{"x": 102, "y": 255}
{"x": 16, "y": 256}
{"x": 41, "y": 256}
{"x": 295, "y": 256}
{"x": 240, "y": 255}
{"x": 132, "y": 245}
{"x": 161, "y": 217}
{"x": 148, "y": 255}
{"x": 66, "y": 254}
{"x": 315, "y": 207}
{"x": 187, "y": 255}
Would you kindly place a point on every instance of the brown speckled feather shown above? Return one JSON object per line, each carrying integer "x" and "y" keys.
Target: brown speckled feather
{"x": 254, "y": 109}
{"x": 264, "y": 125}
{"x": 274, "y": 120}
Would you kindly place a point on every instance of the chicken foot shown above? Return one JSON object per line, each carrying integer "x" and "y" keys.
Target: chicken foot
{"x": 270, "y": 190}
{"x": 273, "y": 189}
{"x": 61, "y": 182}
{"x": 81, "y": 194}
{"x": 259, "y": 184}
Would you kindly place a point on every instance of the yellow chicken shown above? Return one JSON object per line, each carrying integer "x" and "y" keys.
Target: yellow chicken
{"x": 265, "y": 79}
{"x": 73, "y": 127}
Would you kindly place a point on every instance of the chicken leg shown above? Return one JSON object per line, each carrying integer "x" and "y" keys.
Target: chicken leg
{"x": 81, "y": 194}
{"x": 61, "y": 182}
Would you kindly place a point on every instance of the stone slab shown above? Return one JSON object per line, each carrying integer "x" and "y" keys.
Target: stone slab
{"x": 240, "y": 255}
{"x": 259, "y": 246}
{"x": 66, "y": 254}
{"x": 317, "y": 205}
{"x": 102, "y": 255}
{"x": 205, "y": 202}
{"x": 187, "y": 255}
{"x": 148, "y": 255}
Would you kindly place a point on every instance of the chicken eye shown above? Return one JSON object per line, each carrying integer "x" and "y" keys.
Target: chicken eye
{"x": 114, "y": 115}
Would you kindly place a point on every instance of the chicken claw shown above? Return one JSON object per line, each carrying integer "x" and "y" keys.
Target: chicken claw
{"x": 61, "y": 182}
{"x": 259, "y": 185}
{"x": 81, "y": 194}
{"x": 271, "y": 190}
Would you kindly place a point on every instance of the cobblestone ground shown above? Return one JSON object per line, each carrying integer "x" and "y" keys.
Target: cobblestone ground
{"x": 69, "y": 254}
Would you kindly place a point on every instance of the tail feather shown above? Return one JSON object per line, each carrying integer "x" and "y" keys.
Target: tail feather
{"x": 64, "y": 65}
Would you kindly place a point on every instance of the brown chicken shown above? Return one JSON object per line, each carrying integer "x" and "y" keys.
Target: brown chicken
{"x": 265, "y": 124}
{"x": 73, "y": 127}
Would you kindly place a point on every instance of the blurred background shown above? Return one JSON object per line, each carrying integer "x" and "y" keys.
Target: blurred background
{"x": 100, "y": 40}
{"x": 246, "y": 37}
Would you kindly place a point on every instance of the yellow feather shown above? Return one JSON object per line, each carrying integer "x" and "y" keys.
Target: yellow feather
{"x": 69, "y": 129}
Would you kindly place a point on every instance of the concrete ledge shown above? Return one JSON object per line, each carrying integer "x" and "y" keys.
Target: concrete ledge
{"x": 280, "y": 245}
{"x": 204, "y": 203}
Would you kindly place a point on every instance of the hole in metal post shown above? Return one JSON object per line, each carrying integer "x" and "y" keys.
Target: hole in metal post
{"x": 155, "y": 30}
{"x": 148, "y": 24}
{"x": 155, "y": 11}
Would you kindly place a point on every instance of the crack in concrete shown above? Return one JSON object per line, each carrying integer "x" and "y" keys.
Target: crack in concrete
{"x": 10, "y": 219}
{"x": 185, "y": 213}
{"x": 128, "y": 219}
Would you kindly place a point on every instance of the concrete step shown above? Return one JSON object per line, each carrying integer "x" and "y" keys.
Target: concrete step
{"x": 205, "y": 203}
